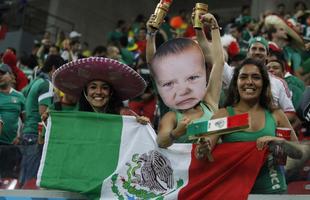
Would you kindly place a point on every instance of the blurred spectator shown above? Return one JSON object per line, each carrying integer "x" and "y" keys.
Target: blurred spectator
{"x": 236, "y": 31}
{"x": 113, "y": 52}
{"x": 12, "y": 105}
{"x": 305, "y": 70}
{"x": 10, "y": 59}
{"x": 304, "y": 108}
{"x": 300, "y": 8}
{"x": 145, "y": 104}
{"x": 71, "y": 52}
{"x": 75, "y": 36}
{"x": 138, "y": 23}
{"x": 141, "y": 41}
{"x": 64, "y": 102}
{"x": 231, "y": 46}
{"x": 39, "y": 95}
{"x": 43, "y": 51}
{"x": 23, "y": 65}
{"x": 286, "y": 39}
{"x": 85, "y": 50}
{"x": 32, "y": 60}
{"x": 120, "y": 30}
{"x": 53, "y": 50}
{"x": 276, "y": 66}
{"x": 127, "y": 56}
{"x": 281, "y": 10}
{"x": 100, "y": 51}
{"x": 60, "y": 38}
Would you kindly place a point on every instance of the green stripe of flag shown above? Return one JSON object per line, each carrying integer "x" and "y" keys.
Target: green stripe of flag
{"x": 76, "y": 141}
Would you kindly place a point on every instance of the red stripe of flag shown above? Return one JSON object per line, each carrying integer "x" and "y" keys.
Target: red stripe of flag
{"x": 240, "y": 120}
{"x": 230, "y": 176}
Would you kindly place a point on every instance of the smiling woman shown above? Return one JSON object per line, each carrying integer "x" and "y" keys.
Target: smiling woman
{"x": 101, "y": 84}
{"x": 98, "y": 96}
{"x": 249, "y": 92}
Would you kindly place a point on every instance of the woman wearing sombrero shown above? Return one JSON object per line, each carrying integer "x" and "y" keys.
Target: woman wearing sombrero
{"x": 101, "y": 84}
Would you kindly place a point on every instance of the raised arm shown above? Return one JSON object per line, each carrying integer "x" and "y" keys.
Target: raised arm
{"x": 150, "y": 40}
{"x": 214, "y": 87}
{"x": 202, "y": 41}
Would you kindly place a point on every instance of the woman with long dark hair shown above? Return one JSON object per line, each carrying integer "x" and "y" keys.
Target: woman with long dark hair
{"x": 249, "y": 92}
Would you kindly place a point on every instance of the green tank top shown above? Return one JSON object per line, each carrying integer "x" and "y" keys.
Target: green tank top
{"x": 207, "y": 114}
{"x": 271, "y": 179}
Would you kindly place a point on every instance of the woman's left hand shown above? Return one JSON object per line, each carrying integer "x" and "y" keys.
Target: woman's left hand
{"x": 143, "y": 120}
{"x": 262, "y": 142}
{"x": 203, "y": 148}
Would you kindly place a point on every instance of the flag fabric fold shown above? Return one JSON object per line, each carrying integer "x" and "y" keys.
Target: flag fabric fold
{"x": 114, "y": 157}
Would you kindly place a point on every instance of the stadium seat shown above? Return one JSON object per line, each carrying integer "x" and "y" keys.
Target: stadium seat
{"x": 9, "y": 184}
{"x": 304, "y": 172}
{"x": 30, "y": 185}
{"x": 299, "y": 187}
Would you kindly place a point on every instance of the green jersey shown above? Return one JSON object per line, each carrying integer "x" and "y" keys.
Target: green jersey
{"x": 11, "y": 106}
{"x": 296, "y": 86}
{"x": 293, "y": 57}
{"x": 40, "y": 93}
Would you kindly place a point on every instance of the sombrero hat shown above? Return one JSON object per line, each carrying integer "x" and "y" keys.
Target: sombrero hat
{"x": 276, "y": 21}
{"x": 72, "y": 77}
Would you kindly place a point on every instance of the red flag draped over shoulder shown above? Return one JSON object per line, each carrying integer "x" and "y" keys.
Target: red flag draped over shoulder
{"x": 231, "y": 176}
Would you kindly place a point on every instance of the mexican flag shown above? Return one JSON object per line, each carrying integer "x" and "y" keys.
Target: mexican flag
{"x": 114, "y": 157}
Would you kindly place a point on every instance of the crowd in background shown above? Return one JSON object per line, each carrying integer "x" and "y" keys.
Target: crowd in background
{"x": 127, "y": 44}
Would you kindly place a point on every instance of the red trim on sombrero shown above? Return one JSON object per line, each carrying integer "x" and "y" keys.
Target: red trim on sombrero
{"x": 72, "y": 77}
{"x": 275, "y": 20}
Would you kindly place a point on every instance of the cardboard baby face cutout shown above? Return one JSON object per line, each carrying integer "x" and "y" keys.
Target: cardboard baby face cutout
{"x": 180, "y": 77}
